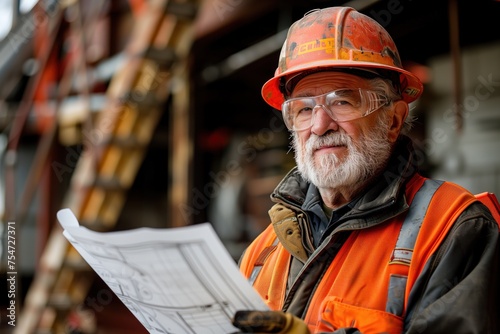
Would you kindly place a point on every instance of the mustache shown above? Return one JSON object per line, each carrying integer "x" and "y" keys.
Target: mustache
{"x": 332, "y": 139}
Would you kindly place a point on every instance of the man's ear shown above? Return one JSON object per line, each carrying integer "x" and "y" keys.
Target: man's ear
{"x": 397, "y": 119}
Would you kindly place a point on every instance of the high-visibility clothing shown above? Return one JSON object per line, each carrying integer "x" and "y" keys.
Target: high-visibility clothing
{"x": 368, "y": 281}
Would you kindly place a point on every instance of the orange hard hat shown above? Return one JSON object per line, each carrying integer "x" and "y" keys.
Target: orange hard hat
{"x": 338, "y": 38}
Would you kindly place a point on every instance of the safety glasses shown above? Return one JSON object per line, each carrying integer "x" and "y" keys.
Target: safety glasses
{"x": 341, "y": 105}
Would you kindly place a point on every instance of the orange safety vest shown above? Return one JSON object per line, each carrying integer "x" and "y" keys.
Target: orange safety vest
{"x": 368, "y": 282}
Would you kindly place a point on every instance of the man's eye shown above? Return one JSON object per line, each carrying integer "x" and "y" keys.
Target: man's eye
{"x": 304, "y": 110}
{"x": 341, "y": 103}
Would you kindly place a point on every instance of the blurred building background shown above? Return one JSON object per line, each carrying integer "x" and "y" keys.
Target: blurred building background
{"x": 148, "y": 113}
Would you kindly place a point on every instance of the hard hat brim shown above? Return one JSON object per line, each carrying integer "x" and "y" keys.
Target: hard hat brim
{"x": 411, "y": 86}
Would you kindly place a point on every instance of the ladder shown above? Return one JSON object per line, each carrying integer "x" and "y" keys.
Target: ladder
{"x": 154, "y": 63}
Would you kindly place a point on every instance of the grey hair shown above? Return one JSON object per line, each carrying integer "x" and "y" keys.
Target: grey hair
{"x": 387, "y": 87}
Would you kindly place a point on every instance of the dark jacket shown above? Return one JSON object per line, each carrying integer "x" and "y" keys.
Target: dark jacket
{"x": 457, "y": 291}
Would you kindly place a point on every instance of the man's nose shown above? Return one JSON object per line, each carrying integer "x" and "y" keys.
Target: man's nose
{"x": 322, "y": 122}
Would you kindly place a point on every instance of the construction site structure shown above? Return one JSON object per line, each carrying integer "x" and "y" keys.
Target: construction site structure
{"x": 151, "y": 70}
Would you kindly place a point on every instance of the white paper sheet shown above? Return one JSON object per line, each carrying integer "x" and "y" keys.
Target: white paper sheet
{"x": 178, "y": 280}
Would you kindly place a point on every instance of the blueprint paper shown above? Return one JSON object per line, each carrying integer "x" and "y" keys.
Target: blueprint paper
{"x": 178, "y": 280}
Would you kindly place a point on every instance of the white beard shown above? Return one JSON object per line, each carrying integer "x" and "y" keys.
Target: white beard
{"x": 364, "y": 158}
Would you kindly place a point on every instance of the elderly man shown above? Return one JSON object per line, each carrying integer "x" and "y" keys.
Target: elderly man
{"x": 358, "y": 240}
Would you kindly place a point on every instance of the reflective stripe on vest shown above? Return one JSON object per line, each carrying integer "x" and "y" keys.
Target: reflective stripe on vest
{"x": 403, "y": 250}
{"x": 260, "y": 261}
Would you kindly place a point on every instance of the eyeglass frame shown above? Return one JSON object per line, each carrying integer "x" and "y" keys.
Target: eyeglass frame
{"x": 382, "y": 96}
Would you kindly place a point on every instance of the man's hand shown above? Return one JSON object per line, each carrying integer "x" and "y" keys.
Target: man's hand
{"x": 269, "y": 322}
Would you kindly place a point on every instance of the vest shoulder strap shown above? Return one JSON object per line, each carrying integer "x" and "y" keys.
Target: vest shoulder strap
{"x": 403, "y": 250}
{"x": 491, "y": 202}
{"x": 411, "y": 225}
